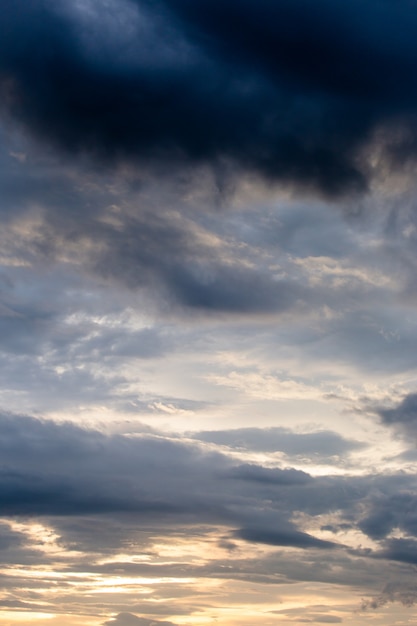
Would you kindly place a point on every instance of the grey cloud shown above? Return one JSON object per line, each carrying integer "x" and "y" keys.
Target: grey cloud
{"x": 9, "y": 539}
{"x": 335, "y": 528}
{"x": 326, "y": 619}
{"x": 150, "y": 243}
{"x": 146, "y": 343}
{"x": 373, "y": 337}
{"x": 304, "y": 230}
{"x": 16, "y": 547}
{"x": 63, "y": 470}
{"x": 163, "y": 255}
{"x": 402, "y": 550}
{"x": 405, "y": 593}
{"x": 387, "y": 510}
{"x": 103, "y": 535}
{"x": 265, "y": 475}
{"x": 283, "y": 538}
{"x": 63, "y": 341}
{"x": 128, "y": 619}
{"x": 403, "y": 417}
{"x": 280, "y": 565}
{"x": 51, "y": 470}
{"x": 125, "y": 229}
{"x": 321, "y": 444}
{"x": 308, "y": 616}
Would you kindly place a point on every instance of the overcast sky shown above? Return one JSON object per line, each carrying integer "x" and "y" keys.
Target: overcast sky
{"x": 208, "y": 314}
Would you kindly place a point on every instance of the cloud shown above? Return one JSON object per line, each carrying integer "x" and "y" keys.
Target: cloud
{"x": 9, "y": 539}
{"x": 124, "y": 228}
{"x": 266, "y": 475}
{"x": 139, "y": 234}
{"x": 402, "y": 417}
{"x": 296, "y": 100}
{"x": 326, "y": 619}
{"x": 403, "y": 550}
{"x": 282, "y": 538}
{"x": 128, "y": 619}
{"x": 51, "y": 469}
{"x": 156, "y": 266}
{"x": 308, "y": 617}
{"x": 321, "y": 444}
{"x": 393, "y": 592}
{"x": 390, "y": 505}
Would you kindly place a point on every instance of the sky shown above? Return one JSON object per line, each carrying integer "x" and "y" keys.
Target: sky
{"x": 208, "y": 314}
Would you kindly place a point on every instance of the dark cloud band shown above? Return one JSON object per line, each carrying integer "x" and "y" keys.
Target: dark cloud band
{"x": 293, "y": 91}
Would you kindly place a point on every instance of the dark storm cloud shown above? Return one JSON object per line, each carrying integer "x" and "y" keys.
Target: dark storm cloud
{"x": 290, "y": 90}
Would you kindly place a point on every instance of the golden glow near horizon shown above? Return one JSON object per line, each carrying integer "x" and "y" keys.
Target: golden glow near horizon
{"x": 226, "y": 599}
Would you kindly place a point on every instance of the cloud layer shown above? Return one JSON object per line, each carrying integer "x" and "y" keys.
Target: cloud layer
{"x": 291, "y": 91}
{"x": 207, "y": 312}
